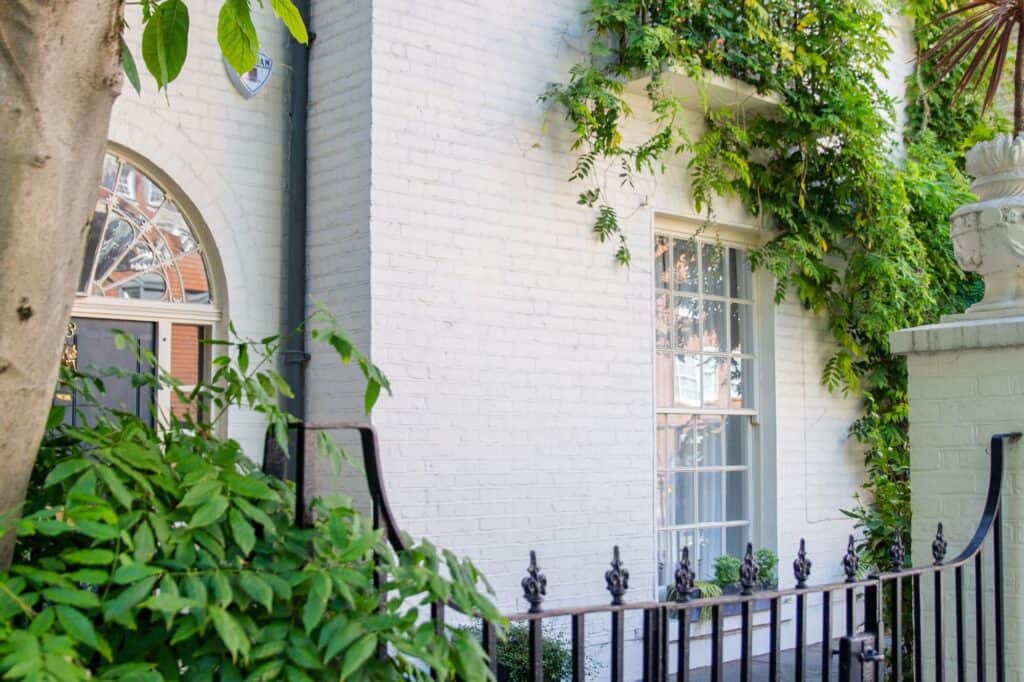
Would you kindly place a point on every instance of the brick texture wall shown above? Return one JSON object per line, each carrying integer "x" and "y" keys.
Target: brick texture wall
{"x": 227, "y": 155}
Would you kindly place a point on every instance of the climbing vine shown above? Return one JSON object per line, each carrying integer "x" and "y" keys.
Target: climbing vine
{"x": 860, "y": 228}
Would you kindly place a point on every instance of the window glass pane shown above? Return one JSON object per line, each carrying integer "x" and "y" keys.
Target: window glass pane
{"x": 714, "y": 339}
{"x": 737, "y": 434}
{"x": 741, "y": 383}
{"x": 715, "y": 375}
{"x": 709, "y": 441}
{"x": 663, "y": 320}
{"x": 110, "y": 165}
{"x": 676, "y": 498}
{"x": 676, "y": 440}
{"x": 187, "y": 353}
{"x": 741, "y": 323}
{"x": 670, "y": 546}
{"x": 713, "y": 262}
{"x": 737, "y": 493}
{"x": 662, "y": 262}
{"x": 664, "y": 379}
{"x": 709, "y": 543}
{"x": 687, "y": 380}
{"x": 711, "y": 496}
{"x": 740, "y": 274}
{"x": 687, "y": 323}
{"x": 685, "y": 259}
{"x": 736, "y": 539}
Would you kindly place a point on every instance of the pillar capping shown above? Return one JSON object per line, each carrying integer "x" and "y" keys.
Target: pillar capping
{"x": 959, "y": 332}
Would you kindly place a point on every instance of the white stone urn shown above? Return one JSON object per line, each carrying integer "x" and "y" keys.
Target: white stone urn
{"x": 988, "y": 235}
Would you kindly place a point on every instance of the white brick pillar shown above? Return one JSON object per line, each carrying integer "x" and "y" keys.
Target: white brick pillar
{"x": 966, "y": 383}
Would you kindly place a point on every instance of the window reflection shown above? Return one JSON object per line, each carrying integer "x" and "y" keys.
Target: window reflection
{"x": 140, "y": 245}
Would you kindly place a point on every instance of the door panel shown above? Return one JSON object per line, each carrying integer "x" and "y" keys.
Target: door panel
{"x": 96, "y": 352}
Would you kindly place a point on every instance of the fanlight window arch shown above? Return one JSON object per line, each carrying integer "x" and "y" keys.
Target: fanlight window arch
{"x": 140, "y": 245}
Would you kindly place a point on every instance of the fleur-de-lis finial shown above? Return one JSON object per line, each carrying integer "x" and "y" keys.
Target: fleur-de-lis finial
{"x": 748, "y": 571}
{"x": 851, "y": 562}
{"x": 939, "y": 546}
{"x": 616, "y": 578}
{"x": 897, "y": 554}
{"x": 801, "y": 566}
{"x": 684, "y": 576}
{"x": 535, "y": 584}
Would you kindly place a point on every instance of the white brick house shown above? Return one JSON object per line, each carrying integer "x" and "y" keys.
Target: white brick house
{"x": 528, "y": 383}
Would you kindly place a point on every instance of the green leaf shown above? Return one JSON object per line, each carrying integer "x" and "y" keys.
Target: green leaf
{"x": 211, "y": 511}
{"x": 115, "y": 486}
{"x": 200, "y": 493}
{"x": 131, "y": 573}
{"x": 170, "y": 603}
{"x": 243, "y": 531}
{"x": 221, "y": 587}
{"x": 78, "y": 626}
{"x": 371, "y": 396}
{"x": 316, "y": 601}
{"x": 144, "y": 543}
{"x": 89, "y": 557}
{"x": 358, "y": 654}
{"x": 127, "y": 598}
{"x": 131, "y": 71}
{"x": 258, "y": 589}
{"x": 64, "y": 595}
{"x": 237, "y": 38}
{"x": 249, "y": 486}
{"x": 64, "y": 470}
{"x": 289, "y": 14}
{"x": 165, "y": 41}
{"x": 231, "y": 632}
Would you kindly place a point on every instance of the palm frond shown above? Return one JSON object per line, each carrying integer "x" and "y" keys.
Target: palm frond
{"x": 977, "y": 43}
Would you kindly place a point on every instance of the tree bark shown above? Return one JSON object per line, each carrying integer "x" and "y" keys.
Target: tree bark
{"x": 59, "y": 74}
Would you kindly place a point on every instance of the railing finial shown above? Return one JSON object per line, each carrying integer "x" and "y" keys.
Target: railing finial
{"x": 748, "y": 571}
{"x": 801, "y": 566}
{"x": 851, "y": 562}
{"x": 939, "y": 546}
{"x": 684, "y": 577}
{"x": 897, "y": 553}
{"x": 617, "y": 578}
{"x": 535, "y": 584}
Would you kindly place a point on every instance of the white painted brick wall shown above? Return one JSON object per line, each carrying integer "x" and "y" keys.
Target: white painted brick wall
{"x": 227, "y": 154}
{"x": 520, "y": 353}
{"x": 959, "y": 398}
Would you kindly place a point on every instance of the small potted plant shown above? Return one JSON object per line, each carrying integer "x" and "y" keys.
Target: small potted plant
{"x": 727, "y": 574}
{"x": 988, "y": 235}
{"x": 767, "y": 562}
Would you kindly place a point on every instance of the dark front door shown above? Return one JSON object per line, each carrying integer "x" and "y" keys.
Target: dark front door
{"x": 97, "y": 352}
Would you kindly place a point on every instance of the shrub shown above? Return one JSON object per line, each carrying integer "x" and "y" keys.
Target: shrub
{"x": 556, "y": 655}
{"x": 767, "y": 561}
{"x": 150, "y": 554}
{"x": 727, "y": 570}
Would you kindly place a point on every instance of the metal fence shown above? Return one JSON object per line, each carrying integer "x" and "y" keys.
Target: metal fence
{"x": 871, "y": 644}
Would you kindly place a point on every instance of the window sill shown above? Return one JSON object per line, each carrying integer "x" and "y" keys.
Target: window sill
{"x": 720, "y": 91}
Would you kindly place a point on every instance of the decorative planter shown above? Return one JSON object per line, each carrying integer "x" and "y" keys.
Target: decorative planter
{"x": 988, "y": 235}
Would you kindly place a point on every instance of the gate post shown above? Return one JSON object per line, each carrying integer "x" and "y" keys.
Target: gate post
{"x": 966, "y": 383}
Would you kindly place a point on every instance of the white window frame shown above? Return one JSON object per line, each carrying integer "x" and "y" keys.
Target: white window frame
{"x": 762, "y": 500}
{"x": 166, "y": 314}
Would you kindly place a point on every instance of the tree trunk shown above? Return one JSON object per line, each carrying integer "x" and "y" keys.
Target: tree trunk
{"x": 59, "y": 75}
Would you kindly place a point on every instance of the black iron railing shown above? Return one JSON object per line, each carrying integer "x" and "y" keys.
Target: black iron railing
{"x": 870, "y": 646}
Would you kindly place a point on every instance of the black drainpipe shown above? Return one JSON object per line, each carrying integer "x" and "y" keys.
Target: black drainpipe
{"x": 295, "y": 354}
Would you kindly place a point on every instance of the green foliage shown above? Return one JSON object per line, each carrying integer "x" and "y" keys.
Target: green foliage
{"x": 556, "y": 655}
{"x": 727, "y": 570}
{"x": 767, "y": 561}
{"x": 857, "y": 237}
{"x": 165, "y": 36}
{"x": 165, "y": 554}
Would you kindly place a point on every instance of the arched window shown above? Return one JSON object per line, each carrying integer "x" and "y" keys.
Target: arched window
{"x": 150, "y": 270}
{"x": 140, "y": 244}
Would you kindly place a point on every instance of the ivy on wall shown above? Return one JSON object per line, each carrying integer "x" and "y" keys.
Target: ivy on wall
{"x": 860, "y": 235}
